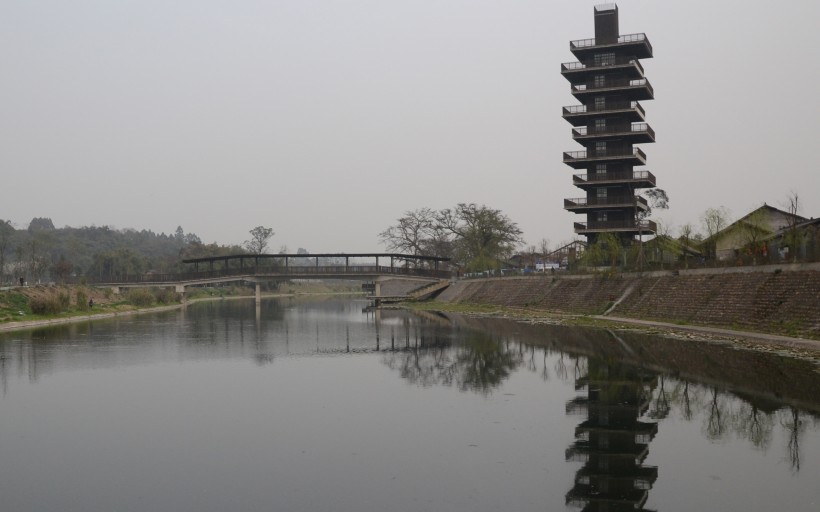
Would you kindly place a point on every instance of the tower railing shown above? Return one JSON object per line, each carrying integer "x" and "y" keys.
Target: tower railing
{"x": 621, "y": 61}
{"x": 615, "y": 176}
{"x": 581, "y": 155}
{"x": 583, "y": 131}
{"x": 608, "y": 107}
{"x": 637, "y": 83}
{"x": 606, "y": 201}
{"x": 624, "y": 39}
{"x": 627, "y": 225}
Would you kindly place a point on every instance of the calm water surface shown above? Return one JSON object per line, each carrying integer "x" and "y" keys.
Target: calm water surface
{"x": 319, "y": 405}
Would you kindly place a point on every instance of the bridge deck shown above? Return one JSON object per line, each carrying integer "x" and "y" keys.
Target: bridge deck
{"x": 258, "y": 267}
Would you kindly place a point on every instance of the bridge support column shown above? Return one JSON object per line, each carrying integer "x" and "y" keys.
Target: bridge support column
{"x": 258, "y": 294}
{"x": 180, "y": 289}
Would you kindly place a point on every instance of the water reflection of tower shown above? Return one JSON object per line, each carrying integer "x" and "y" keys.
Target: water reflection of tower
{"x": 612, "y": 442}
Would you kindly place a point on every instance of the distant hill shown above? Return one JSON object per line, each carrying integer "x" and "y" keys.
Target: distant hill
{"x": 43, "y": 253}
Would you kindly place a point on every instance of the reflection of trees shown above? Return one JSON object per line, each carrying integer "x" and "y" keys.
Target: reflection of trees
{"x": 686, "y": 402}
{"x": 716, "y": 423}
{"x": 484, "y": 363}
{"x": 545, "y": 374}
{"x": 725, "y": 415}
{"x": 754, "y": 425}
{"x": 561, "y": 368}
{"x": 795, "y": 426}
{"x": 480, "y": 363}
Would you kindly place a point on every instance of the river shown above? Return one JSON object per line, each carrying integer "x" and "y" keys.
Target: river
{"x": 323, "y": 404}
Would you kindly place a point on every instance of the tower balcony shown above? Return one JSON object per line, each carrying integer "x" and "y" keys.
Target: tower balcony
{"x": 579, "y": 71}
{"x": 638, "y": 179}
{"x": 582, "y": 159}
{"x": 626, "y": 226}
{"x": 631, "y": 44}
{"x": 582, "y": 496}
{"x": 637, "y": 133}
{"x": 581, "y": 115}
{"x": 580, "y": 451}
{"x": 639, "y": 89}
{"x": 586, "y": 204}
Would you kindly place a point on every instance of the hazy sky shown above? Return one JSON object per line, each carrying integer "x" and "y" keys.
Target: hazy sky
{"x": 326, "y": 120}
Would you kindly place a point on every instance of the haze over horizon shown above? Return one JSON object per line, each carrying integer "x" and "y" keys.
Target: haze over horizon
{"x": 327, "y": 120}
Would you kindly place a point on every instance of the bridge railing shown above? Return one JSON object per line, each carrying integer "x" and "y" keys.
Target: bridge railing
{"x": 296, "y": 272}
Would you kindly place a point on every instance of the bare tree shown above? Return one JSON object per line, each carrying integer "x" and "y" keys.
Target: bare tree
{"x": 714, "y": 220}
{"x": 544, "y": 248}
{"x": 412, "y": 232}
{"x": 793, "y": 235}
{"x": 663, "y": 242}
{"x": 260, "y": 235}
{"x": 686, "y": 232}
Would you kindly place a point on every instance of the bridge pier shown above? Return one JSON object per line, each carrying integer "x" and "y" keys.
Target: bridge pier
{"x": 180, "y": 289}
{"x": 258, "y": 293}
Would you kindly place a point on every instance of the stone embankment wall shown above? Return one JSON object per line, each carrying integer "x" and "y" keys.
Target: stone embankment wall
{"x": 770, "y": 299}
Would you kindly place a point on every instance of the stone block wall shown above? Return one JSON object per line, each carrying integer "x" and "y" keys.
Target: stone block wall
{"x": 776, "y": 302}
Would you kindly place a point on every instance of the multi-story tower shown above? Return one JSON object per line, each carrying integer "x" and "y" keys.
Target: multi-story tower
{"x": 609, "y": 81}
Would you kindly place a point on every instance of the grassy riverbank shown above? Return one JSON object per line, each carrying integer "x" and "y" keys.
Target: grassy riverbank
{"x": 29, "y": 306}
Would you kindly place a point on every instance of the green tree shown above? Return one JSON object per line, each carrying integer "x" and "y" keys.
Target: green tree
{"x": 476, "y": 237}
{"x": 606, "y": 250}
{"x": 482, "y": 236}
{"x": 260, "y": 235}
{"x": 40, "y": 224}
{"x": 62, "y": 269}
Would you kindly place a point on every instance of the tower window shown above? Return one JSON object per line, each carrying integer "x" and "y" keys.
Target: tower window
{"x": 604, "y": 59}
{"x": 599, "y": 80}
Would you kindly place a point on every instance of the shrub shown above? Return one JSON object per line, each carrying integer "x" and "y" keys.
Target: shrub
{"x": 81, "y": 300}
{"x": 64, "y": 299}
{"x": 45, "y": 305}
{"x": 165, "y": 295}
{"x": 140, "y": 297}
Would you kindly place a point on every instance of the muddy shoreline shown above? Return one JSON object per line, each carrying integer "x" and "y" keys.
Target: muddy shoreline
{"x": 801, "y": 348}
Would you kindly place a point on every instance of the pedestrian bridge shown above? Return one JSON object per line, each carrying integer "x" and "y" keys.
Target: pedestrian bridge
{"x": 258, "y": 268}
